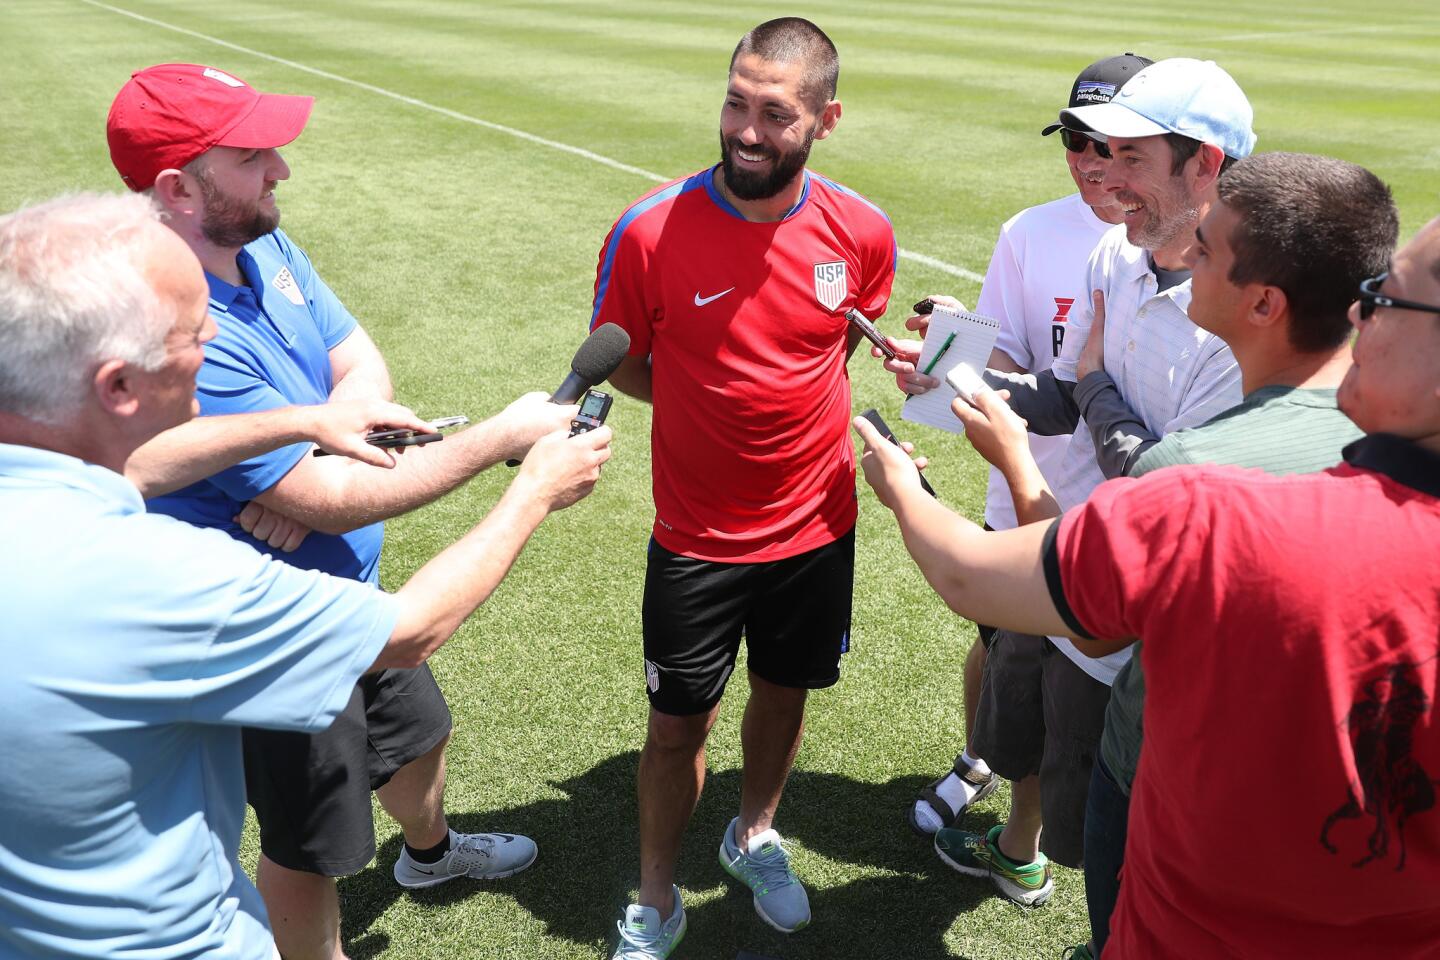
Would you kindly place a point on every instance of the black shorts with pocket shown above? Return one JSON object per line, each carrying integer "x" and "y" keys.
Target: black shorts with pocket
{"x": 793, "y": 613}
{"x": 311, "y": 791}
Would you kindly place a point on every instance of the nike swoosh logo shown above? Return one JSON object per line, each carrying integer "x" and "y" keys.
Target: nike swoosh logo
{"x": 701, "y": 301}
{"x": 428, "y": 873}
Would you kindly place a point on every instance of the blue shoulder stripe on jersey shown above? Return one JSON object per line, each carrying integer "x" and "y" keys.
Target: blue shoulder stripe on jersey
{"x": 895, "y": 253}
{"x": 729, "y": 207}
{"x": 676, "y": 189}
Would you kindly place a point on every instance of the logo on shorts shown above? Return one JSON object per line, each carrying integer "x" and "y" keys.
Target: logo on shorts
{"x": 830, "y": 285}
{"x": 652, "y": 676}
{"x": 286, "y": 284}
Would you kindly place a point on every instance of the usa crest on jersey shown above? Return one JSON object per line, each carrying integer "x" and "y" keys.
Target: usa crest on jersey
{"x": 830, "y": 285}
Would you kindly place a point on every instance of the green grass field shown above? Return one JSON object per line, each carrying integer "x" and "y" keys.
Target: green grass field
{"x": 468, "y": 251}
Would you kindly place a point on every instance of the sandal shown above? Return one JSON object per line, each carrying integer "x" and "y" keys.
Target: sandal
{"x": 987, "y": 783}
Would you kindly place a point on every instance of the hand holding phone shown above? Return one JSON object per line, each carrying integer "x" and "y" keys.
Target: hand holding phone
{"x": 966, "y": 383}
{"x": 870, "y": 332}
{"x": 389, "y": 439}
{"x": 882, "y": 428}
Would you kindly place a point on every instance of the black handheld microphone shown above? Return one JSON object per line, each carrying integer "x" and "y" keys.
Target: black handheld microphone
{"x": 596, "y": 359}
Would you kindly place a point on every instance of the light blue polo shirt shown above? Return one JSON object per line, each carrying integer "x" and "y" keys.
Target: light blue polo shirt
{"x": 272, "y": 350}
{"x": 135, "y": 648}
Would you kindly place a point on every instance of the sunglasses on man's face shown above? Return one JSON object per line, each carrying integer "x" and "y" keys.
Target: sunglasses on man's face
{"x": 1371, "y": 297}
{"x": 1075, "y": 142}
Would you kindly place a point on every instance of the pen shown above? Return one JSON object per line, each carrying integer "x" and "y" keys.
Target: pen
{"x": 938, "y": 354}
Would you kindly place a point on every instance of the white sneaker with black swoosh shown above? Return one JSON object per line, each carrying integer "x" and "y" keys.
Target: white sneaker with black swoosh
{"x": 480, "y": 856}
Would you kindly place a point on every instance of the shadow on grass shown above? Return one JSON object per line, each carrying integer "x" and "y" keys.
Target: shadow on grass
{"x": 589, "y": 864}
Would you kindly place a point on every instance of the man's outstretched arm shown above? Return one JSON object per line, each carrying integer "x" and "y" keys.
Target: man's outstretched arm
{"x": 204, "y": 446}
{"x": 989, "y": 577}
{"x": 335, "y": 496}
{"x": 558, "y": 471}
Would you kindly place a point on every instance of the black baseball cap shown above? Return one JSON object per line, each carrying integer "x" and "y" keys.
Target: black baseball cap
{"x": 1100, "y": 81}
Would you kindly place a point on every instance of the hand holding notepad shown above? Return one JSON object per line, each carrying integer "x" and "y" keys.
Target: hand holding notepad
{"x": 954, "y": 337}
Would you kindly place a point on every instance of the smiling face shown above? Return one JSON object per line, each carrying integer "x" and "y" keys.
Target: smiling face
{"x": 1393, "y": 385}
{"x": 1088, "y": 169}
{"x": 1157, "y": 206}
{"x": 238, "y": 189}
{"x": 767, "y": 127}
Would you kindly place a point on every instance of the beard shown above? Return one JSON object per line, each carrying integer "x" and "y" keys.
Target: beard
{"x": 753, "y": 184}
{"x": 1161, "y": 227}
{"x": 230, "y": 222}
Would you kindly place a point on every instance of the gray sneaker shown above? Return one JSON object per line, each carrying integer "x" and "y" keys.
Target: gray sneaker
{"x": 644, "y": 937}
{"x": 480, "y": 856}
{"x": 765, "y": 869}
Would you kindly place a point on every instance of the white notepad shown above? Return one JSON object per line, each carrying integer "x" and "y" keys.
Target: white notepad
{"x": 974, "y": 339}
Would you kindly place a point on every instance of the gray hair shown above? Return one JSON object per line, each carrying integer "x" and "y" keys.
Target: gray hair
{"x": 73, "y": 295}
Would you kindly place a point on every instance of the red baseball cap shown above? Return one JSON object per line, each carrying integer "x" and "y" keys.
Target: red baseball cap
{"x": 167, "y": 115}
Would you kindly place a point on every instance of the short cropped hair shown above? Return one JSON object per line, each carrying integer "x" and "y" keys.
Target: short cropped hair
{"x": 791, "y": 40}
{"x": 1182, "y": 148}
{"x": 1314, "y": 227}
{"x": 73, "y": 295}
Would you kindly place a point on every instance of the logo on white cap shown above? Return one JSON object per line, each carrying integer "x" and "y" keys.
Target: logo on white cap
{"x": 224, "y": 78}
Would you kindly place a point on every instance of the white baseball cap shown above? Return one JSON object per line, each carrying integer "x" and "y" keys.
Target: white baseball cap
{"x": 1194, "y": 98}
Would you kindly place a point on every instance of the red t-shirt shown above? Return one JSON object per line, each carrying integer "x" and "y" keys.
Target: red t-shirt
{"x": 745, "y": 326}
{"x": 1285, "y": 804}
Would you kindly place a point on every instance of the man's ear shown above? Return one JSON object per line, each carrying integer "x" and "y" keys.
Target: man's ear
{"x": 1207, "y": 162}
{"x": 828, "y": 118}
{"x": 178, "y": 192}
{"x": 114, "y": 385}
{"x": 1268, "y": 305}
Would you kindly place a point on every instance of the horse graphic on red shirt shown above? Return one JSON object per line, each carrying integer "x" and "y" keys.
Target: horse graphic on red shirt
{"x": 1392, "y": 784}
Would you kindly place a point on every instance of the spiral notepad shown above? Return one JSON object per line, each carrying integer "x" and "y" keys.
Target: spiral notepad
{"x": 974, "y": 339}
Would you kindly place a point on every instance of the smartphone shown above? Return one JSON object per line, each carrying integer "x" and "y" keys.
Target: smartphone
{"x": 404, "y": 437}
{"x": 966, "y": 383}
{"x": 882, "y": 428}
{"x": 924, "y": 306}
{"x": 858, "y": 320}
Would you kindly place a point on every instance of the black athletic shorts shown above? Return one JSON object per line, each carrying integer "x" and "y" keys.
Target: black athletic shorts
{"x": 1041, "y": 714}
{"x": 311, "y": 791}
{"x": 794, "y": 615}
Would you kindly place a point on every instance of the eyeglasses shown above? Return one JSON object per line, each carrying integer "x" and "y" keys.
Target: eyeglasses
{"x": 1371, "y": 297}
{"x": 1075, "y": 142}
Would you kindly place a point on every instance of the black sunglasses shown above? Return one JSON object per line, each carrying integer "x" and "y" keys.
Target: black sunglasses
{"x": 1371, "y": 297}
{"x": 1075, "y": 142}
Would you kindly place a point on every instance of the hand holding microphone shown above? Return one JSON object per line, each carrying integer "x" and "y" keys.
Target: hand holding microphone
{"x": 593, "y": 363}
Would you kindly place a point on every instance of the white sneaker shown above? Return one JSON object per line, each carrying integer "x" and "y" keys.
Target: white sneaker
{"x": 644, "y": 937}
{"x": 480, "y": 856}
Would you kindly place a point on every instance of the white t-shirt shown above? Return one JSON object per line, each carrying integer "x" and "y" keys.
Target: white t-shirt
{"x": 1034, "y": 286}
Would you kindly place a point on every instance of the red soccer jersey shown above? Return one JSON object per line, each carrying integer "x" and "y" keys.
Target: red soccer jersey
{"x": 745, "y": 326}
{"x": 1285, "y": 804}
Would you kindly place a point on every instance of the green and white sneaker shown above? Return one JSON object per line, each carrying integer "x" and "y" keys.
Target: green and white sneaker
{"x": 765, "y": 868}
{"x": 644, "y": 937}
{"x": 978, "y": 855}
